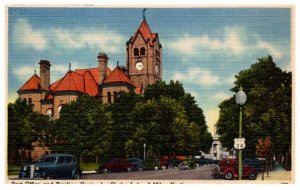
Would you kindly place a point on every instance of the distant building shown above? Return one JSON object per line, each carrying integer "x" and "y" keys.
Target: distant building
{"x": 217, "y": 152}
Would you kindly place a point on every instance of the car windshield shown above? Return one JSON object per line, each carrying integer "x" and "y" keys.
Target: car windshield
{"x": 49, "y": 159}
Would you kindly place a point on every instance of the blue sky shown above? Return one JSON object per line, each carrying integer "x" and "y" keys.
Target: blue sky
{"x": 203, "y": 48}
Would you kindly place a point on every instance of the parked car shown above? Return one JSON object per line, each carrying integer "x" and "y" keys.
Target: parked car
{"x": 188, "y": 163}
{"x": 137, "y": 164}
{"x": 116, "y": 165}
{"x": 163, "y": 163}
{"x": 173, "y": 162}
{"x": 52, "y": 166}
{"x": 256, "y": 163}
{"x": 228, "y": 168}
{"x": 205, "y": 161}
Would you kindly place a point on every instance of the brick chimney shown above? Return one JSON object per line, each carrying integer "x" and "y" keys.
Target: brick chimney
{"x": 102, "y": 66}
{"x": 45, "y": 74}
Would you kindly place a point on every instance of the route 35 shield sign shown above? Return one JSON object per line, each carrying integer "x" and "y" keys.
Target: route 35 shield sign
{"x": 239, "y": 143}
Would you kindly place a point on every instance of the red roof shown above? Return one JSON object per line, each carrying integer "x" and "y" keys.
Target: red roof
{"x": 117, "y": 76}
{"x": 94, "y": 72}
{"x": 72, "y": 81}
{"x": 138, "y": 90}
{"x": 53, "y": 85}
{"x": 90, "y": 84}
{"x": 49, "y": 97}
{"x": 34, "y": 83}
{"x": 145, "y": 31}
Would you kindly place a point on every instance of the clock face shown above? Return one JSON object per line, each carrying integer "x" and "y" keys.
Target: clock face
{"x": 139, "y": 66}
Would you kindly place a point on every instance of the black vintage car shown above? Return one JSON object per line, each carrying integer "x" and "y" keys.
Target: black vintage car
{"x": 52, "y": 166}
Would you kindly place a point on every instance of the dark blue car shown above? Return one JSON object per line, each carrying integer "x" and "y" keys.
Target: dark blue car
{"x": 52, "y": 166}
{"x": 137, "y": 164}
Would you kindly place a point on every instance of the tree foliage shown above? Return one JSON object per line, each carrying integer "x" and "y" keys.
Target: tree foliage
{"x": 84, "y": 128}
{"x": 25, "y": 127}
{"x": 267, "y": 111}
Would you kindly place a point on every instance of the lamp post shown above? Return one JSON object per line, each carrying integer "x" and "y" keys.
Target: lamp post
{"x": 240, "y": 98}
{"x": 144, "y": 151}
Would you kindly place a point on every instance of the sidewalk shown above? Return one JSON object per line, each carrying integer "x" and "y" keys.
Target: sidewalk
{"x": 278, "y": 173}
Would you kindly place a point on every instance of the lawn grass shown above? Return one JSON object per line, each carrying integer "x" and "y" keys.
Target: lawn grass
{"x": 88, "y": 166}
{"x": 13, "y": 170}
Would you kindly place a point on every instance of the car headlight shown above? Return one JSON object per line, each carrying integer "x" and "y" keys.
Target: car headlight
{"x": 25, "y": 168}
{"x": 37, "y": 168}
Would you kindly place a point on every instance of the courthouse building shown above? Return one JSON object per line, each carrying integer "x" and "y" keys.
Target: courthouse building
{"x": 143, "y": 67}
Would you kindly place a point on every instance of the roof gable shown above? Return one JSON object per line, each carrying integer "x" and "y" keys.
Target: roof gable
{"x": 117, "y": 76}
{"x": 34, "y": 83}
{"x": 90, "y": 84}
{"x": 72, "y": 81}
{"x": 145, "y": 32}
{"x": 94, "y": 72}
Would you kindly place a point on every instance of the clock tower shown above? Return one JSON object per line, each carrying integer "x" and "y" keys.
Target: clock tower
{"x": 144, "y": 56}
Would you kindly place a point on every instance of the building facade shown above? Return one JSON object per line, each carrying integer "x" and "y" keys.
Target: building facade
{"x": 143, "y": 67}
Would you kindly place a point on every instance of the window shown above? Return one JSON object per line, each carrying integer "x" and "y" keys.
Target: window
{"x": 136, "y": 52}
{"x": 109, "y": 97}
{"x": 59, "y": 109}
{"x": 49, "y": 112}
{"x": 61, "y": 160}
{"x": 115, "y": 96}
{"x": 69, "y": 159}
{"x": 50, "y": 159}
{"x": 29, "y": 100}
{"x": 143, "y": 51}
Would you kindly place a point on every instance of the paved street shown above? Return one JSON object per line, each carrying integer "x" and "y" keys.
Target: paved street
{"x": 201, "y": 173}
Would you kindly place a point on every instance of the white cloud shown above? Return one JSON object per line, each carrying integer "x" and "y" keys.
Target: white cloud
{"x": 231, "y": 42}
{"x": 235, "y": 41}
{"x": 24, "y": 73}
{"x": 67, "y": 39}
{"x": 268, "y": 47}
{"x": 220, "y": 96}
{"x": 200, "y": 76}
{"x": 26, "y": 36}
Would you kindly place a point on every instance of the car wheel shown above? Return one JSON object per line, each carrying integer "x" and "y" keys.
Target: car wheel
{"x": 252, "y": 176}
{"x": 229, "y": 175}
{"x": 105, "y": 171}
{"x": 217, "y": 169}
{"x": 49, "y": 176}
{"x": 140, "y": 168}
{"x": 76, "y": 175}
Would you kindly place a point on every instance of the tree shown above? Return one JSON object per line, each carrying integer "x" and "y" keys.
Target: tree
{"x": 84, "y": 128}
{"x": 267, "y": 111}
{"x": 193, "y": 112}
{"x": 123, "y": 127}
{"x": 264, "y": 150}
{"x": 25, "y": 127}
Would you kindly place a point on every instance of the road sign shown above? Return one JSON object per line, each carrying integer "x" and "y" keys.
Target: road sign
{"x": 239, "y": 143}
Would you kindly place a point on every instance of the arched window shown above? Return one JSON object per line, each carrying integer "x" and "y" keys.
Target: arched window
{"x": 115, "y": 96}
{"x": 136, "y": 52}
{"x": 59, "y": 109}
{"x": 49, "y": 112}
{"x": 143, "y": 51}
{"x": 109, "y": 97}
{"x": 24, "y": 99}
{"x": 29, "y": 100}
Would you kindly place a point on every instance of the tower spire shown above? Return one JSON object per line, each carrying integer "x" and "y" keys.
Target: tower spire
{"x": 144, "y": 12}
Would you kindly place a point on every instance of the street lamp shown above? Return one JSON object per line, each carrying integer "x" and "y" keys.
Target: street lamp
{"x": 144, "y": 151}
{"x": 240, "y": 98}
